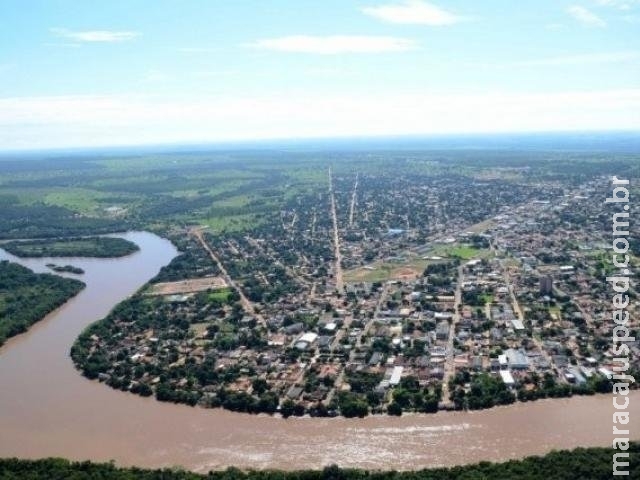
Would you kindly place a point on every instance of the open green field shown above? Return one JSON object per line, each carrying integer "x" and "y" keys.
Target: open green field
{"x": 221, "y": 295}
{"x": 381, "y": 271}
{"x": 231, "y": 223}
{"x": 461, "y": 251}
{"x": 411, "y": 266}
{"x": 74, "y": 196}
{"x": 486, "y": 298}
{"x": 49, "y": 195}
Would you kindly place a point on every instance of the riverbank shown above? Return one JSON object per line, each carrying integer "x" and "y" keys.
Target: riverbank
{"x": 563, "y": 465}
{"x": 59, "y": 413}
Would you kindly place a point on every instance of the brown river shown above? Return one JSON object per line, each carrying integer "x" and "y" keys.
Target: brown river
{"x": 48, "y": 409}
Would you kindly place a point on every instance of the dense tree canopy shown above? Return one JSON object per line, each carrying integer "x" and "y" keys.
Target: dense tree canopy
{"x": 578, "y": 464}
{"x": 100, "y": 247}
{"x": 26, "y": 297}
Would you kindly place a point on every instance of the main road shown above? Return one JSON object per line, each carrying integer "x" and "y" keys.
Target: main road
{"x": 336, "y": 238}
{"x": 248, "y": 306}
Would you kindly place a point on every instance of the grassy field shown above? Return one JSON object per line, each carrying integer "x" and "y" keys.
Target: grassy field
{"x": 83, "y": 200}
{"x": 222, "y": 191}
{"x": 486, "y": 298}
{"x": 222, "y": 295}
{"x": 462, "y": 251}
{"x": 381, "y": 271}
{"x": 481, "y": 226}
{"x": 412, "y": 266}
{"x": 230, "y": 223}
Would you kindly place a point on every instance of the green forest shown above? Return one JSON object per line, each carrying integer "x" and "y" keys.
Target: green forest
{"x": 26, "y": 297}
{"x": 65, "y": 269}
{"x": 578, "y": 464}
{"x": 98, "y": 247}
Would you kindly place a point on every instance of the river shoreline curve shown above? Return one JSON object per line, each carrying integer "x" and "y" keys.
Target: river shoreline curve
{"x": 48, "y": 409}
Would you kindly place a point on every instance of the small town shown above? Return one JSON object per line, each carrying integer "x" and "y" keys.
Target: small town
{"x": 352, "y": 308}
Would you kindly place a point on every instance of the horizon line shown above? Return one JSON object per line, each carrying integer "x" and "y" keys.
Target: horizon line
{"x": 247, "y": 143}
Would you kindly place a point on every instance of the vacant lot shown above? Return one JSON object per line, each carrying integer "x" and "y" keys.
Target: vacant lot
{"x": 407, "y": 269}
{"x": 188, "y": 286}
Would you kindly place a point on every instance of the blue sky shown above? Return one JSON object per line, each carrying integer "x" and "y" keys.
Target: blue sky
{"x": 78, "y": 73}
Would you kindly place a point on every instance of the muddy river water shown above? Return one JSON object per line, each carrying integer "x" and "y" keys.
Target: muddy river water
{"x": 48, "y": 409}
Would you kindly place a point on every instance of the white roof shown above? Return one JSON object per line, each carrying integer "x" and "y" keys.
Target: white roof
{"x": 507, "y": 378}
{"x": 605, "y": 371}
{"x": 309, "y": 337}
{"x": 396, "y": 375}
{"x": 502, "y": 359}
{"x": 517, "y": 324}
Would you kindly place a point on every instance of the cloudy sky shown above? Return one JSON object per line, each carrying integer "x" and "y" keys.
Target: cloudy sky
{"x": 119, "y": 72}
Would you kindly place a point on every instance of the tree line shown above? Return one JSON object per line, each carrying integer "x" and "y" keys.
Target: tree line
{"x": 581, "y": 463}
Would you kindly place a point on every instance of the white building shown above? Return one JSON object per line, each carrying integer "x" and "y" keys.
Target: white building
{"x": 507, "y": 378}
{"x": 309, "y": 337}
{"x": 396, "y": 375}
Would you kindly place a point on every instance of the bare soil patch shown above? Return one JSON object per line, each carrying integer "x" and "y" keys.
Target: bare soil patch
{"x": 188, "y": 286}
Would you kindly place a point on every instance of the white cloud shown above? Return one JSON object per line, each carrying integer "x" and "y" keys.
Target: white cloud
{"x": 619, "y": 4}
{"x": 581, "y": 59}
{"x": 104, "y": 36}
{"x": 43, "y": 122}
{"x": 335, "y": 44}
{"x": 585, "y": 16}
{"x": 413, "y": 12}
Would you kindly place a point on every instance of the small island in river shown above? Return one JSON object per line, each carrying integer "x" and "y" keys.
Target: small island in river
{"x": 65, "y": 269}
{"x": 97, "y": 247}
